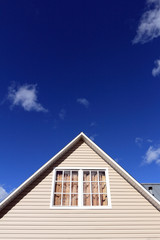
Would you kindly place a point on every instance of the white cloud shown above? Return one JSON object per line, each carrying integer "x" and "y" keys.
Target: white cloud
{"x": 3, "y": 194}
{"x": 149, "y": 26}
{"x": 152, "y": 155}
{"x": 149, "y": 140}
{"x": 26, "y": 97}
{"x": 62, "y": 114}
{"x": 83, "y": 101}
{"x": 139, "y": 141}
{"x": 156, "y": 69}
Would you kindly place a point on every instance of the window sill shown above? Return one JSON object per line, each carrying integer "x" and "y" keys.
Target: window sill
{"x": 81, "y": 208}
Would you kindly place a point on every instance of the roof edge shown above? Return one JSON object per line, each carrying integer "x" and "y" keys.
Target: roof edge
{"x": 151, "y": 183}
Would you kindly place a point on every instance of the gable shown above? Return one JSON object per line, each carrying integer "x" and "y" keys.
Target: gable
{"x": 29, "y": 215}
{"x": 81, "y": 155}
{"x": 103, "y": 155}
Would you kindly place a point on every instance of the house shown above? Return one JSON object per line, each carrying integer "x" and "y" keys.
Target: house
{"x": 80, "y": 193}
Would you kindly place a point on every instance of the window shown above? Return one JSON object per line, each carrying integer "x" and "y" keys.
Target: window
{"x": 66, "y": 188}
{"x": 80, "y": 188}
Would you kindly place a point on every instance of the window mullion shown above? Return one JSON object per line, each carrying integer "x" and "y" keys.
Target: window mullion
{"x": 98, "y": 188}
{"x": 80, "y": 189}
{"x": 62, "y": 188}
{"x": 90, "y": 190}
{"x": 70, "y": 198}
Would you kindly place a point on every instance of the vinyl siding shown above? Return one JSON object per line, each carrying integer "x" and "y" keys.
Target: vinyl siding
{"x": 29, "y": 216}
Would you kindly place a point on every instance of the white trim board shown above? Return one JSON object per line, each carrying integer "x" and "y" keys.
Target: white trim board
{"x": 101, "y": 153}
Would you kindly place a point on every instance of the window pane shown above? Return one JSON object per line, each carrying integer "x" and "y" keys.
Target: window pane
{"x": 95, "y": 200}
{"x": 66, "y": 198}
{"x": 86, "y": 187}
{"x": 74, "y": 200}
{"x": 94, "y": 187}
{"x": 94, "y": 176}
{"x": 103, "y": 199}
{"x": 74, "y": 187}
{"x": 102, "y": 187}
{"x": 66, "y": 187}
{"x": 59, "y": 176}
{"x": 86, "y": 176}
{"x": 67, "y": 176}
{"x": 74, "y": 175}
{"x": 57, "y": 199}
{"x": 58, "y": 187}
{"x": 102, "y": 176}
{"x": 87, "y": 199}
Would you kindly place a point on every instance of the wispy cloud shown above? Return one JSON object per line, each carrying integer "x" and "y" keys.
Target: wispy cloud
{"x": 149, "y": 26}
{"x": 149, "y": 140}
{"x": 139, "y": 141}
{"x": 116, "y": 159}
{"x": 142, "y": 141}
{"x": 93, "y": 124}
{"x": 83, "y": 101}
{"x": 25, "y": 96}
{"x": 62, "y": 114}
{"x": 93, "y": 136}
{"x": 156, "y": 69}
{"x": 3, "y": 194}
{"x": 152, "y": 155}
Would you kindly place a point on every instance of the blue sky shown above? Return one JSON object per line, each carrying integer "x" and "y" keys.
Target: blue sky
{"x": 72, "y": 66}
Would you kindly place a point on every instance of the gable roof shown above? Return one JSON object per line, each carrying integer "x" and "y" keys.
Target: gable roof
{"x": 101, "y": 153}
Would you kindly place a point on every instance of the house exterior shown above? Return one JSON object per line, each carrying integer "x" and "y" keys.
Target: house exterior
{"x": 81, "y": 193}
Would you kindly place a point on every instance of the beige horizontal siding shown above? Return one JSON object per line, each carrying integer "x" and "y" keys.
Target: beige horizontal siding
{"x": 29, "y": 216}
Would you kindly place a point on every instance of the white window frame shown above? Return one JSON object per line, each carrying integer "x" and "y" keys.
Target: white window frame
{"x": 80, "y": 188}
